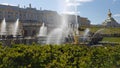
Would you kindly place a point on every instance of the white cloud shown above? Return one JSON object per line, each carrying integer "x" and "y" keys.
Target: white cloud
{"x": 81, "y": 1}
{"x": 114, "y": 0}
{"x": 70, "y": 12}
{"x": 4, "y": 3}
{"x": 84, "y": 0}
{"x": 76, "y": 2}
{"x": 73, "y": 4}
{"x": 118, "y": 20}
{"x": 116, "y": 15}
{"x": 7, "y": 4}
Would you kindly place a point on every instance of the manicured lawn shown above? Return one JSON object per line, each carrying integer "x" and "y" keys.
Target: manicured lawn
{"x": 112, "y": 39}
{"x": 109, "y": 30}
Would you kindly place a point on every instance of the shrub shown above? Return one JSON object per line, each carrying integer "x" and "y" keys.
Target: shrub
{"x": 59, "y": 56}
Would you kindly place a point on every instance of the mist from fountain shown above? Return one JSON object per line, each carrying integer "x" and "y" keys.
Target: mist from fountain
{"x": 43, "y": 30}
{"x": 54, "y": 37}
{"x": 86, "y": 34}
{"x": 15, "y": 28}
{"x": 58, "y": 35}
{"x": 96, "y": 37}
{"x": 97, "y": 32}
{"x": 3, "y": 27}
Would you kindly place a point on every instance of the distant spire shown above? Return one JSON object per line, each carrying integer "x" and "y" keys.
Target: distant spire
{"x": 109, "y": 13}
{"x": 18, "y": 5}
{"x": 30, "y": 6}
{"x": 24, "y": 6}
{"x": 40, "y": 8}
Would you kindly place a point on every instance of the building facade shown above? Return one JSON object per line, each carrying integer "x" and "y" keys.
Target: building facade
{"x": 31, "y": 19}
{"x": 72, "y": 19}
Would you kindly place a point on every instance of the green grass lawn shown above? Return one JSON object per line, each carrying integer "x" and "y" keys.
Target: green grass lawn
{"x": 111, "y": 39}
{"x": 108, "y": 30}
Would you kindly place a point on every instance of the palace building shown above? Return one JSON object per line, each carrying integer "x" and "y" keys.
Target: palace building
{"x": 31, "y": 19}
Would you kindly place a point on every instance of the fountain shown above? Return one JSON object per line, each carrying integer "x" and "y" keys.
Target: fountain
{"x": 54, "y": 36}
{"x": 43, "y": 30}
{"x": 86, "y": 34}
{"x": 96, "y": 37}
{"x": 57, "y": 36}
{"x": 15, "y": 28}
{"x": 97, "y": 32}
{"x": 3, "y": 27}
{"x": 42, "y": 34}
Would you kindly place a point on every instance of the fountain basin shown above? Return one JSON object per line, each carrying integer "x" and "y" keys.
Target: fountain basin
{"x": 41, "y": 39}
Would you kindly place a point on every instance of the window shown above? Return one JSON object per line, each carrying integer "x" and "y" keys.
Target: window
{"x": 8, "y": 16}
{"x": 0, "y": 12}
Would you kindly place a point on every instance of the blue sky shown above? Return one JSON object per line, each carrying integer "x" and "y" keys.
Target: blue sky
{"x": 94, "y": 10}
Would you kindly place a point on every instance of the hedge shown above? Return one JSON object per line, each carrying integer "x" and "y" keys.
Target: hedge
{"x": 59, "y": 56}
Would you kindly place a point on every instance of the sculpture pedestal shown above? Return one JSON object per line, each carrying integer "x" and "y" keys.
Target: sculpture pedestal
{"x": 76, "y": 39}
